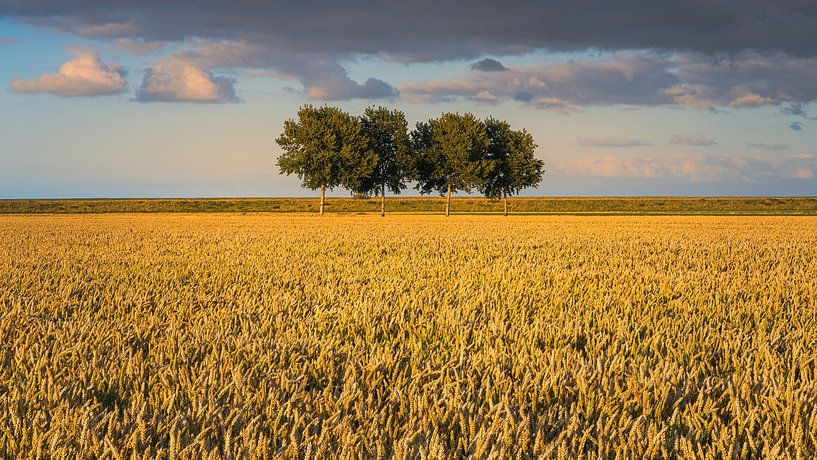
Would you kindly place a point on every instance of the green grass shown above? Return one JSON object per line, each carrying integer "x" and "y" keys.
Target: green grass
{"x": 464, "y": 205}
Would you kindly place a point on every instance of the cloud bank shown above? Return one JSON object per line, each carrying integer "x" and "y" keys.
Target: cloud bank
{"x": 445, "y": 30}
{"x": 745, "y": 80}
{"x": 84, "y": 75}
{"x": 692, "y": 167}
{"x": 730, "y": 53}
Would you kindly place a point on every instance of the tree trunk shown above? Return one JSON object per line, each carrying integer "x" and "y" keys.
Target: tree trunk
{"x": 506, "y": 204}
{"x": 382, "y": 200}
{"x": 448, "y": 202}
{"x": 323, "y": 197}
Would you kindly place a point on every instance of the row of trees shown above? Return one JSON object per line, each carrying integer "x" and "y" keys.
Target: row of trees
{"x": 374, "y": 153}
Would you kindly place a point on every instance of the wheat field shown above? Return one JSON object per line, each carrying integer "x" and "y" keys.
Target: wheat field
{"x": 281, "y": 336}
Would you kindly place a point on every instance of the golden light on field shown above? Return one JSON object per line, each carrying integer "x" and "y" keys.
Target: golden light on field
{"x": 254, "y": 336}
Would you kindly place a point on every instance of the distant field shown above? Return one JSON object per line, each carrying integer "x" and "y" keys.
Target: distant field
{"x": 293, "y": 336}
{"x": 538, "y": 205}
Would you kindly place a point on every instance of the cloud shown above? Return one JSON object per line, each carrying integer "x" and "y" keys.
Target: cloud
{"x": 341, "y": 87}
{"x": 743, "y": 81}
{"x": 728, "y": 53}
{"x": 107, "y": 30}
{"x": 765, "y": 146}
{"x": 434, "y": 31}
{"x": 692, "y": 139}
{"x": 692, "y": 167}
{"x": 322, "y": 79}
{"x": 611, "y": 142}
{"x": 637, "y": 80}
{"x": 488, "y": 65}
{"x": 8, "y": 41}
{"x": 178, "y": 81}
{"x": 139, "y": 46}
{"x": 84, "y": 75}
{"x": 796, "y": 126}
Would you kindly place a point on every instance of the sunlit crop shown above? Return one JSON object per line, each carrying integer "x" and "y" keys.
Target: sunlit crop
{"x": 262, "y": 336}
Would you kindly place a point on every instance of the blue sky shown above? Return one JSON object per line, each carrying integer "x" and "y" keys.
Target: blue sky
{"x": 138, "y": 111}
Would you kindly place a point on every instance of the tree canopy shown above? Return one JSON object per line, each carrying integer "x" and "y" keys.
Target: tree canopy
{"x": 514, "y": 166}
{"x": 325, "y": 147}
{"x": 449, "y": 153}
{"x": 386, "y": 133}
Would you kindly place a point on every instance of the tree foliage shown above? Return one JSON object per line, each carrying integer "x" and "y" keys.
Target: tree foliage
{"x": 325, "y": 147}
{"x": 386, "y": 133}
{"x": 450, "y": 152}
{"x": 513, "y": 164}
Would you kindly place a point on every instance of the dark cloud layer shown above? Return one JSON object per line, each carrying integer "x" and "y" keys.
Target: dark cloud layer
{"x": 308, "y": 41}
{"x": 433, "y": 30}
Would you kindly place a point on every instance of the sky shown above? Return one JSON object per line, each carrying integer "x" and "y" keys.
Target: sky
{"x": 172, "y": 98}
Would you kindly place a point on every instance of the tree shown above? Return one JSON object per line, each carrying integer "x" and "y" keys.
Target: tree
{"x": 326, "y": 148}
{"x": 449, "y": 155}
{"x": 514, "y": 165}
{"x": 386, "y": 132}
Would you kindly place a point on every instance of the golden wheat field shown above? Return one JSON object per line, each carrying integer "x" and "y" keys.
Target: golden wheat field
{"x": 286, "y": 336}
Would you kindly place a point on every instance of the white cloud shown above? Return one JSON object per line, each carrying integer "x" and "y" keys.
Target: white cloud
{"x": 174, "y": 80}
{"x": 84, "y": 75}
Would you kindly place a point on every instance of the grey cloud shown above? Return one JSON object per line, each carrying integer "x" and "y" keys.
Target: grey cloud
{"x": 523, "y": 96}
{"x": 611, "y": 142}
{"x": 765, "y": 146}
{"x": 139, "y": 46}
{"x": 692, "y": 140}
{"x": 341, "y": 87}
{"x": 693, "y": 167}
{"x": 746, "y": 80}
{"x": 488, "y": 65}
{"x": 796, "y": 126}
{"x": 322, "y": 77}
{"x": 637, "y": 80}
{"x": 308, "y": 40}
{"x": 8, "y": 41}
{"x": 414, "y": 31}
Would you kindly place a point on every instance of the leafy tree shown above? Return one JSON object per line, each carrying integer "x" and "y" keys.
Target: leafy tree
{"x": 514, "y": 165}
{"x": 449, "y": 155}
{"x": 387, "y": 134}
{"x": 326, "y": 148}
